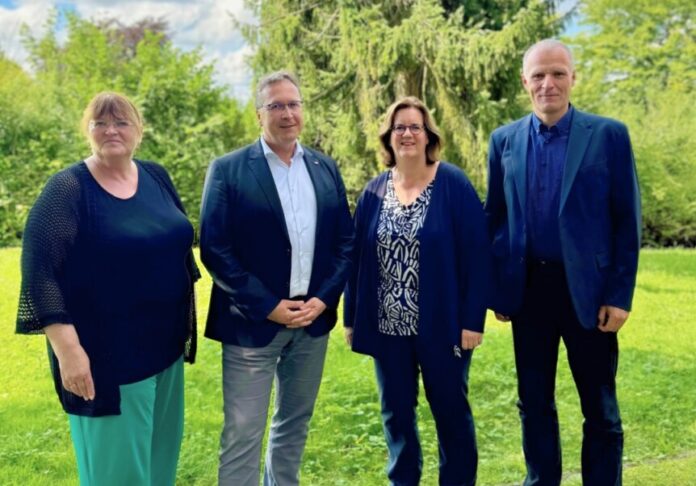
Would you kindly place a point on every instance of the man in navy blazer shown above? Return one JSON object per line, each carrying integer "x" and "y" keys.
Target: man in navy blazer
{"x": 563, "y": 211}
{"x": 276, "y": 236}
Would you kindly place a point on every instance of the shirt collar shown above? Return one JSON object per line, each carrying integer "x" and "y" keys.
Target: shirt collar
{"x": 299, "y": 151}
{"x": 562, "y": 125}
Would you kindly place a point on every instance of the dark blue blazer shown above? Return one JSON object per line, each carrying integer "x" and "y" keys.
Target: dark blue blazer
{"x": 599, "y": 215}
{"x": 454, "y": 265}
{"x": 246, "y": 248}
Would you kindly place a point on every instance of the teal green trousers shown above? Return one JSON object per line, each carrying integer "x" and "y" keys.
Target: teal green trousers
{"x": 141, "y": 446}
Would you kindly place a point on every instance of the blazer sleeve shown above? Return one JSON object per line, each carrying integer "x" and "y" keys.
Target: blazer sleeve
{"x": 494, "y": 207}
{"x": 495, "y": 210}
{"x": 331, "y": 288}
{"x": 626, "y": 221}
{"x": 247, "y": 292}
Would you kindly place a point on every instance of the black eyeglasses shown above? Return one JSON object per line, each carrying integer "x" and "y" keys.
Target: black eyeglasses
{"x": 415, "y": 129}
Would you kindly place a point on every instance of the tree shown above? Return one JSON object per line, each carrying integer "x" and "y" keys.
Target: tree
{"x": 637, "y": 62}
{"x": 188, "y": 119}
{"x": 634, "y": 48}
{"x": 16, "y": 130}
{"x": 354, "y": 58}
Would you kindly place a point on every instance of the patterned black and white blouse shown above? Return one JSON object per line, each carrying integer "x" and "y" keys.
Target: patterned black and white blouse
{"x": 398, "y": 251}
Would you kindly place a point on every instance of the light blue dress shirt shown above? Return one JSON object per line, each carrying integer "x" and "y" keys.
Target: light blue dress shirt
{"x": 299, "y": 203}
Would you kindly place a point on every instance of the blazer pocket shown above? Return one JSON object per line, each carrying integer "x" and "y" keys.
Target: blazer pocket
{"x": 603, "y": 259}
{"x": 500, "y": 247}
{"x": 594, "y": 166}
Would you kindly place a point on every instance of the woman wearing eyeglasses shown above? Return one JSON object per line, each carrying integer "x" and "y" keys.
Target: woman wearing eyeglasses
{"x": 107, "y": 275}
{"x": 416, "y": 301}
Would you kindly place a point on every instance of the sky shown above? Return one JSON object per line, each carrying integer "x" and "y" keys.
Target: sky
{"x": 205, "y": 23}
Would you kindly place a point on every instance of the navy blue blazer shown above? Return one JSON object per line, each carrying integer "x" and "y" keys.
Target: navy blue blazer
{"x": 246, "y": 248}
{"x": 599, "y": 215}
{"x": 454, "y": 267}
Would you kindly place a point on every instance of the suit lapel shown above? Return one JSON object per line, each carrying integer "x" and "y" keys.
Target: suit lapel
{"x": 519, "y": 143}
{"x": 314, "y": 168}
{"x": 259, "y": 167}
{"x": 578, "y": 140}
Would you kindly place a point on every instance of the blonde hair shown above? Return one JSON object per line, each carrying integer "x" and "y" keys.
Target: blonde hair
{"x": 116, "y": 105}
{"x": 432, "y": 149}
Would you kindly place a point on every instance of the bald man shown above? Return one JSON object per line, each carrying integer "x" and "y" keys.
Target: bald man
{"x": 563, "y": 210}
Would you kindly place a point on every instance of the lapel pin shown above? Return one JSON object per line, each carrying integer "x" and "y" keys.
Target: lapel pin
{"x": 316, "y": 162}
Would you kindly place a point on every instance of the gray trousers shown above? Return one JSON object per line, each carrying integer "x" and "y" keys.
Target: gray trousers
{"x": 296, "y": 360}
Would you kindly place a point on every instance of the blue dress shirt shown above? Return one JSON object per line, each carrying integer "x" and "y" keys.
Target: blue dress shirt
{"x": 299, "y": 203}
{"x": 546, "y": 155}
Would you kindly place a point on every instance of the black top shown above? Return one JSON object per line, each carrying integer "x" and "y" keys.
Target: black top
{"x": 120, "y": 270}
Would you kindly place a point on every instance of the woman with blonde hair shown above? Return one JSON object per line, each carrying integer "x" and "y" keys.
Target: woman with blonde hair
{"x": 107, "y": 276}
{"x": 416, "y": 301}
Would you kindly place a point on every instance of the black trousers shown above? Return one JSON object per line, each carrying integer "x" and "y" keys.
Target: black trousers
{"x": 547, "y": 315}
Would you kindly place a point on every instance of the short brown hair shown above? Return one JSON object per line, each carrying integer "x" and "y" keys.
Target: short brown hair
{"x": 272, "y": 78}
{"x": 432, "y": 150}
{"x": 113, "y": 104}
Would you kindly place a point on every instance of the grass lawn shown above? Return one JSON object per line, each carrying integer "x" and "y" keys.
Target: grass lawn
{"x": 657, "y": 374}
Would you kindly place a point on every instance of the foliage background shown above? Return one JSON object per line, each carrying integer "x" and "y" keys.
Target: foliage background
{"x": 462, "y": 57}
{"x": 636, "y": 62}
{"x": 189, "y": 120}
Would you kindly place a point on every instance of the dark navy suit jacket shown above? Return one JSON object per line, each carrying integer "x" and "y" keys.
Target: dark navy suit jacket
{"x": 599, "y": 215}
{"x": 246, "y": 248}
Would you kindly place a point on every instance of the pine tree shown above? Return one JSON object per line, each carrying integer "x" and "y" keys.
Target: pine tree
{"x": 354, "y": 58}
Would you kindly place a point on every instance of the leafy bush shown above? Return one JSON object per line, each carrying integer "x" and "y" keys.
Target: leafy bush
{"x": 188, "y": 119}
{"x": 665, "y": 151}
{"x": 637, "y": 64}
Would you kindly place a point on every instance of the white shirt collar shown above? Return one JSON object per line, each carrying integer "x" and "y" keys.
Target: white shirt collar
{"x": 299, "y": 151}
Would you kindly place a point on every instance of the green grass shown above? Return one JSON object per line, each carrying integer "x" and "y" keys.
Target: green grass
{"x": 657, "y": 373}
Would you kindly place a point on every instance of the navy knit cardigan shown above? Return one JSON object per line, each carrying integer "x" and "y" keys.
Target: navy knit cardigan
{"x": 55, "y": 264}
{"x": 454, "y": 271}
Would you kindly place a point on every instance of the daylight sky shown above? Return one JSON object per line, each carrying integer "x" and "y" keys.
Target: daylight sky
{"x": 205, "y": 23}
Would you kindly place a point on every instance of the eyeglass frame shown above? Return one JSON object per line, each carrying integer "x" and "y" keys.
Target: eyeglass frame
{"x": 103, "y": 125}
{"x": 414, "y": 128}
{"x": 276, "y": 107}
